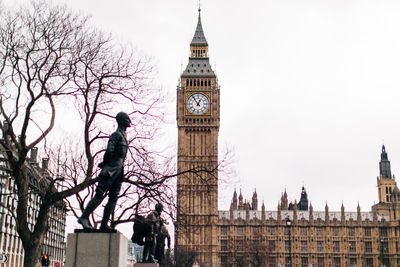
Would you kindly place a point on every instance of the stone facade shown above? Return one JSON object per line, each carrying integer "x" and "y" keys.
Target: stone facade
{"x": 292, "y": 235}
{"x": 252, "y": 237}
{"x": 10, "y": 244}
{"x": 304, "y": 237}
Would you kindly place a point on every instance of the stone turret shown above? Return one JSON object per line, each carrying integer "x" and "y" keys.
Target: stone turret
{"x": 358, "y": 213}
{"x": 326, "y": 212}
{"x": 284, "y": 201}
{"x": 263, "y": 212}
{"x": 234, "y": 203}
{"x": 342, "y": 217}
{"x": 279, "y": 213}
{"x": 240, "y": 206}
{"x": 247, "y": 207}
{"x": 254, "y": 201}
{"x": 295, "y": 208}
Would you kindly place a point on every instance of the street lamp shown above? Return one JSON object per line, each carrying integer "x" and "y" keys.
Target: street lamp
{"x": 288, "y": 224}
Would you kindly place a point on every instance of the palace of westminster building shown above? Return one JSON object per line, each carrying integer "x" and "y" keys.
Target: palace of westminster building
{"x": 249, "y": 235}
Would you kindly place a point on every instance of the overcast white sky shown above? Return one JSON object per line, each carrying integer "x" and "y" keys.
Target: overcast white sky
{"x": 309, "y": 88}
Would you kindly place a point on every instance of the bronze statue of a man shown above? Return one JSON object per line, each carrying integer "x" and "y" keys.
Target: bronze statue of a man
{"x": 111, "y": 175}
{"x": 154, "y": 221}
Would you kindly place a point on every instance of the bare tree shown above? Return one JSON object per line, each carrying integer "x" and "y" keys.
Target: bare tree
{"x": 50, "y": 56}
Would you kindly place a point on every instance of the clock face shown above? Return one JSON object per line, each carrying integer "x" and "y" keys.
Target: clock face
{"x": 198, "y": 104}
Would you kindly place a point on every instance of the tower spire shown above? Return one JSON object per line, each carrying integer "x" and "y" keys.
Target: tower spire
{"x": 199, "y": 39}
{"x": 384, "y": 165}
{"x": 199, "y": 65}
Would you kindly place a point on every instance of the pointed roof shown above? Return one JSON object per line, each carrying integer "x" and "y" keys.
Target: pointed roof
{"x": 384, "y": 165}
{"x": 255, "y": 193}
{"x": 199, "y": 39}
{"x": 384, "y": 153}
{"x": 199, "y": 67}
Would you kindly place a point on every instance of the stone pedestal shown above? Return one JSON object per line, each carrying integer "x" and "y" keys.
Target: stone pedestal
{"x": 146, "y": 265}
{"x": 100, "y": 249}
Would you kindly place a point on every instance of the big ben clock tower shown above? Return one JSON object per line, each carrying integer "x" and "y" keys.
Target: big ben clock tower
{"x": 198, "y": 125}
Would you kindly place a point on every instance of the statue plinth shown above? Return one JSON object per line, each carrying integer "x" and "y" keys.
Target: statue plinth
{"x": 95, "y": 231}
{"x": 96, "y": 248}
{"x": 146, "y": 264}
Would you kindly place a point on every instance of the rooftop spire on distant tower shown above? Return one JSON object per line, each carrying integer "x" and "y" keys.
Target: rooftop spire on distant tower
{"x": 384, "y": 165}
{"x": 303, "y": 203}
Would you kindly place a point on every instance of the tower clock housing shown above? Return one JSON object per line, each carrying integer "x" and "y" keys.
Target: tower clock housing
{"x": 198, "y": 115}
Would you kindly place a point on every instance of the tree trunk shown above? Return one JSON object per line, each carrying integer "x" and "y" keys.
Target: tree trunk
{"x": 32, "y": 254}
{"x": 33, "y": 241}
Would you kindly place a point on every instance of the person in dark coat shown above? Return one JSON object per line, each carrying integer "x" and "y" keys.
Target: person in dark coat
{"x": 111, "y": 175}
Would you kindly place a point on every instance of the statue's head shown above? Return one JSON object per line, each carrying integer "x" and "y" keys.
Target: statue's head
{"x": 159, "y": 207}
{"x": 123, "y": 119}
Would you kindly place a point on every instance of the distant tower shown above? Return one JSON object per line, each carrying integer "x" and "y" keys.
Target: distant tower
{"x": 387, "y": 189}
{"x": 303, "y": 203}
{"x": 198, "y": 125}
{"x": 385, "y": 181}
